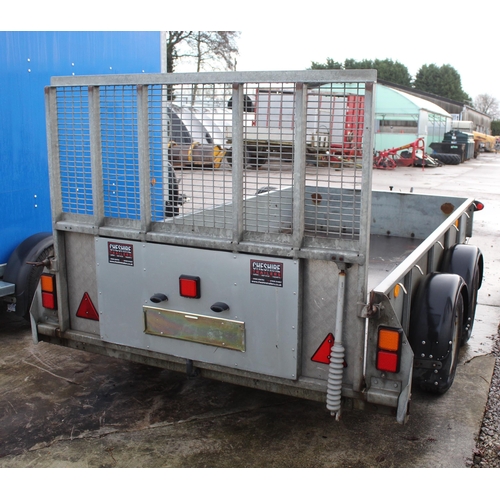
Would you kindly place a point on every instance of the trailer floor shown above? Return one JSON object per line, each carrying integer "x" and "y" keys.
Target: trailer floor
{"x": 386, "y": 253}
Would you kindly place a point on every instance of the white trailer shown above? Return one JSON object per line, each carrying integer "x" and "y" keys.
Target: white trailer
{"x": 294, "y": 277}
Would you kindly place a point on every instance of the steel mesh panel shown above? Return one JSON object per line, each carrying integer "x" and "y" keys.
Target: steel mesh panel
{"x": 194, "y": 118}
{"x": 163, "y": 192}
{"x": 74, "y": 150}
{"x": 268, "y": 156}
{"x": 335, "y": 116}
{"x": 120, "y": 162}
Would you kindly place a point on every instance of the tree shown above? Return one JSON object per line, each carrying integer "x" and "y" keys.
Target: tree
{"x": 488, "y": 105}
{"x": 443, "y": 81}
{"x": 387, "y": 69}
{"x": 495, "y": 127}
{"x": 204, "y": 47}
{"x": 210, "y": 48}
{"x": 173, "y": 41}
{"x": 330, "y": 64}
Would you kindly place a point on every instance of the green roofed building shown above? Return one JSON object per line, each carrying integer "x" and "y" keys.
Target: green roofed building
{"x": 402, "y": 118}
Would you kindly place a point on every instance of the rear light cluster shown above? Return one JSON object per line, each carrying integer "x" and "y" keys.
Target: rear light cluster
{"x": 389, "y": 349}
{"x": 48, "y": 285}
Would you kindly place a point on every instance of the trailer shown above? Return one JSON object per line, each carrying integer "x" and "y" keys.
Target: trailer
{"x": 27, "y": 62}
{"x": 294, "y": 277}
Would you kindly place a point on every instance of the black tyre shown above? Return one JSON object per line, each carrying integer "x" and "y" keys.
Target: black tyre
{"x": 255, "y": 157}
{"x": 469, "y": 323}
{"x": 436, "y": 330}
{"x": 447, "y": 158}
{"x": 467, "y": 262}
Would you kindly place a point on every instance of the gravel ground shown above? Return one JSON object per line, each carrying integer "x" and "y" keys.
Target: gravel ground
{"x": 487, "y": 454}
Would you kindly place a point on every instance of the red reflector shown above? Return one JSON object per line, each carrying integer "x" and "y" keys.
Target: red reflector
{"x": 387, "y": 361}
{"x": 189, "y": 286}
{"x": 48, "y": 300}
{"x": 322, "y": 355}
{"x": 86, "y": 308}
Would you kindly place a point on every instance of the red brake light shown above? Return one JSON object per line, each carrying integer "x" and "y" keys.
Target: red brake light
{"x": 478, "y": 206}
{"x": 387, "y": 361}
{"x": 189, "y": 286}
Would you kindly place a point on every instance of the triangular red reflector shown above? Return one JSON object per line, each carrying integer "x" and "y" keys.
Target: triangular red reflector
{"x": 86, "y": 309}
{"x": 322, "y": 355}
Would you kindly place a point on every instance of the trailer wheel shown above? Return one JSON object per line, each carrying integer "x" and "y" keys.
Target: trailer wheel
{"x": 467, "y": 262}
{"x": 255, "y": 157}
{"x": 252, "y": 159}
{"x": 24, "y": 275}
{"x": 436, "y": 330}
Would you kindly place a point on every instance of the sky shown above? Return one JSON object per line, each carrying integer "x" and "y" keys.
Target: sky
{"x": 278, "y": 35}
{"x": 411, "y": 40}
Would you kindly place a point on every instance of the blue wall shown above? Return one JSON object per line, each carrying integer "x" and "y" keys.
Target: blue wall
{"x": 27, "y": 61}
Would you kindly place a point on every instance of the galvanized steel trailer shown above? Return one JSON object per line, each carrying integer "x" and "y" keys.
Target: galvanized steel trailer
{"x": 287, "y": 274}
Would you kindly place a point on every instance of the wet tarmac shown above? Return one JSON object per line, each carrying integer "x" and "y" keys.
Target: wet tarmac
{"x": 65, "y": 408}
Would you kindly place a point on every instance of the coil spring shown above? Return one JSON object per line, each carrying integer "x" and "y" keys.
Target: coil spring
{"x": 334, "y": 385}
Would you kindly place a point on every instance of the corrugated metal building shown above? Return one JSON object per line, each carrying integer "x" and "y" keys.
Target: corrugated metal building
{"x": 458, "y": 110}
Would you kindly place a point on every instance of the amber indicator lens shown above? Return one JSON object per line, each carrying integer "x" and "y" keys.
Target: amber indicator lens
{"x": 389, "y": 340}
{"x": 47, "y": 283}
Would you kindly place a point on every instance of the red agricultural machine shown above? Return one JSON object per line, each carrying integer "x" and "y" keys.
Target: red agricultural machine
{"x": 412, "y": 154}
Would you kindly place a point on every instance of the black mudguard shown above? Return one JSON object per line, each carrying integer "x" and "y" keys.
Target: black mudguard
{"x": 432, "y": 314}
{"x": 463, "y": 260}
{"x": 23, "y": 275}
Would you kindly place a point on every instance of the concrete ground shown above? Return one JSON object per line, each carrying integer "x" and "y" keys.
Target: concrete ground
{"x": 66, "y": 408}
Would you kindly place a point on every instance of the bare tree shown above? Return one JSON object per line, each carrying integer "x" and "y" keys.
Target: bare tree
{"x": 173, "y": 41}
{"x": 488, "y": 105}
{"x": 214, "y": 49}
{"x": 208, "y": 49}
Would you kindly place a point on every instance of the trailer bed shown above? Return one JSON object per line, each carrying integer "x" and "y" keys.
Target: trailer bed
{"x": 386, "y": 253}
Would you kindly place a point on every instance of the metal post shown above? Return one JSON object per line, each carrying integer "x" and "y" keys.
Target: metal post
{"x": 299, "y": 164}
{"x": 237, "y": 162}
{"x": 143, "y": 144}
{"x": 96, "y": 156}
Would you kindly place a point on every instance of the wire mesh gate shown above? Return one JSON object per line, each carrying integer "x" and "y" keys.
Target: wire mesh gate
{"x": 274, "y": 162}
